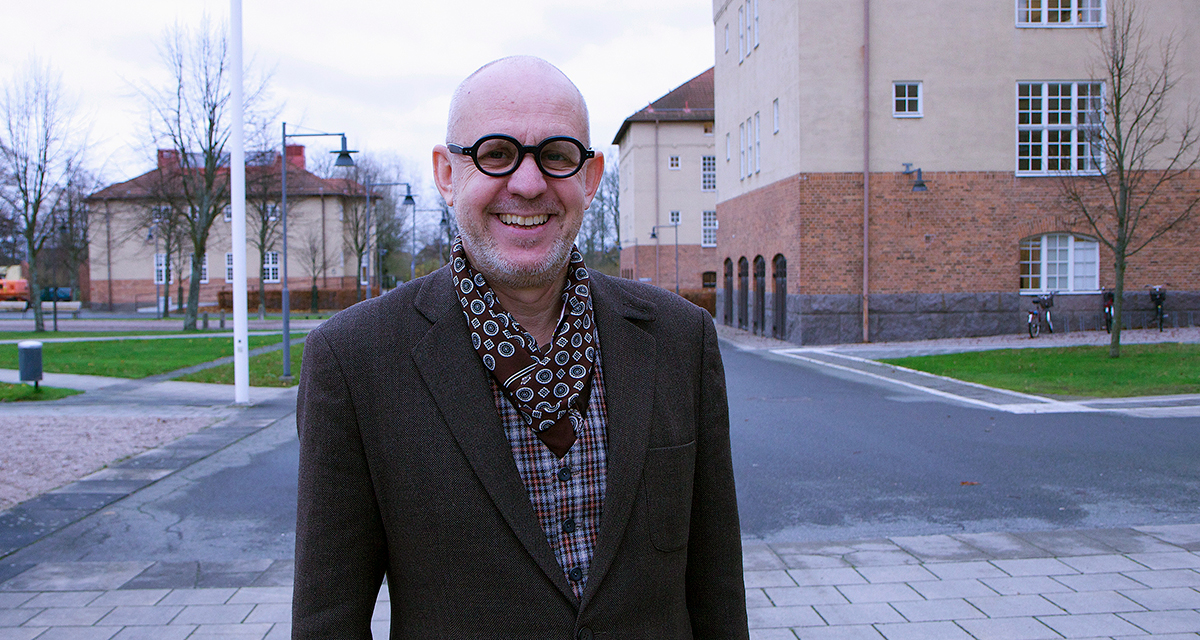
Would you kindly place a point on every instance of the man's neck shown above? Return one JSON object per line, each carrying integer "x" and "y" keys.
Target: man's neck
{"x": 537, "y": 310}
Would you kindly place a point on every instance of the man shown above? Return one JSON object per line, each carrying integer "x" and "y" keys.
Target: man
{"x": 523, "y": 447}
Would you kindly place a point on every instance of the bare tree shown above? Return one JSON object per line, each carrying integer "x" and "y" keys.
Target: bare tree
{"x": 1144, "y": 139}
{"x": 191, "y": 115}
{"x": 41, "y": 153}
{"x": 263, "y": 221}
{"x": 313, "y": 260}
{"x": 600, "y": 234}
{"x": 74, "y": 226}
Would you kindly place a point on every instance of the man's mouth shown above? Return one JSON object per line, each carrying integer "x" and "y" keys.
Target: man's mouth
{"x": 523, "y": 221}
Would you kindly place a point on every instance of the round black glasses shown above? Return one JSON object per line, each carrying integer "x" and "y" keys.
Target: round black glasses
{"x": 498, "y": 155}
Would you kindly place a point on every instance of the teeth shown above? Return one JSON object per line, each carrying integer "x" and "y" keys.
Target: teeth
{"x": 524, "y": 221}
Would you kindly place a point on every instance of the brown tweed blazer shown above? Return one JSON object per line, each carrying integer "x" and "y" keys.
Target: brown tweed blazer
{"x": 405, "y": 471}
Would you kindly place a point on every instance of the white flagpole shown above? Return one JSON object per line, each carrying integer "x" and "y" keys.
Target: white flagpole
{"x": 237, "y": 177}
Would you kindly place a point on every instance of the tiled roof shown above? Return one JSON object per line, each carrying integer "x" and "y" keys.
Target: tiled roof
{"x": 691, "y": 101}
{"x": 300, "y": 183}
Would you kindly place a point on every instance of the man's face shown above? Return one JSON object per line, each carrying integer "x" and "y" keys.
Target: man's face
{"x": 517, "y": 229}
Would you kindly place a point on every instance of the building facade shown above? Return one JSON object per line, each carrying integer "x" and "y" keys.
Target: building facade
{"x": 668, "y": 189}
{"x": 829, "y": 112}
{"x": 130, "y": 266}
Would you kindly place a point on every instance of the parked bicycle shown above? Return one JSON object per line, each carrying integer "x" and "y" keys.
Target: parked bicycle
{"x": 1158, "y": 296}
{"x": 1106, "y": 295}
{"x": 1041, "y": 307}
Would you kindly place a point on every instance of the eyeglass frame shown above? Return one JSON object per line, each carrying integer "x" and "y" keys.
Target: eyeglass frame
{"x": 534, "y": 150}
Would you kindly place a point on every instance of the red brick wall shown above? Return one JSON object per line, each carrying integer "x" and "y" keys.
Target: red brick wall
{"x": 962, "y": 235}
{"x": 638, "y": 263}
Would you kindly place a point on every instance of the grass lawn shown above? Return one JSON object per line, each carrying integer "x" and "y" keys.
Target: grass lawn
{"x": 1142, "y": 370}
{"x": 26, "y": 392}
{"x": 51, "y": 335}
{"x": 265, "y": 369}
{"x": 130, "y": 358}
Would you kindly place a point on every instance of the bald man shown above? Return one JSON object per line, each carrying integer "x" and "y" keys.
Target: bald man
{"x": 522, "y": 447}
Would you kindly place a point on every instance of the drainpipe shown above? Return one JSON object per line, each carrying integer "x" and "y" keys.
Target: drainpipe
{"x": 108, "y": 246}
{"x": 866, "y": 225}
{"x": 657, "y": 221}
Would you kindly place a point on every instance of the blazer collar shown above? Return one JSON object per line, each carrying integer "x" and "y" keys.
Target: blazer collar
{"x": 463, "y": 395}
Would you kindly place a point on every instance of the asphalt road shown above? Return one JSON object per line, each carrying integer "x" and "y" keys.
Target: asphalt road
{"x": 822, "y": 455}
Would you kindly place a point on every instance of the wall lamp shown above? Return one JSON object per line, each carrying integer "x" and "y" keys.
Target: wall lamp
{"x": 919, "y": 184}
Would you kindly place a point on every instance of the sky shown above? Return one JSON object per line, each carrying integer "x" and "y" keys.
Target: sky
{"x": 382, "y": 72}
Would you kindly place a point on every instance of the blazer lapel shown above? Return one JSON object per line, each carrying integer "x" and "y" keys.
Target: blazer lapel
{"x": 628, "y": 355}
{"x": 458, "y": 383}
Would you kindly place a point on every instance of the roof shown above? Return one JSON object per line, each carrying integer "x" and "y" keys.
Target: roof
{"x": 691, "y": 101}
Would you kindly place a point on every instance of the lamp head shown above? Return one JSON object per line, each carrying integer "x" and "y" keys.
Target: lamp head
{"x": 919, "y": 185}
{"x": 343, "y": 156}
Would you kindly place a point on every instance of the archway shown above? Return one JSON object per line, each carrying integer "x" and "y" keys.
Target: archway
{"x": 779, "y": 296}
{"x": 760, "y": 295}
{"x": 743, "y": 314}
{"x": 728, "y": 292}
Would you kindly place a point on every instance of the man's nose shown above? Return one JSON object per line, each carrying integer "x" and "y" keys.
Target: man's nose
{"x": 527, "y": 181}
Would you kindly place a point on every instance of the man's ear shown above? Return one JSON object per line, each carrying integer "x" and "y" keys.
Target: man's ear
{"x": 592, "y": 174}
{"x": 443, "y": 173}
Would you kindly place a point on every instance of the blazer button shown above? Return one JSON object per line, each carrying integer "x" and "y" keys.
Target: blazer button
{"x": 584, "y": 634}
{"x": 575, "y": 575}
{"x": 564, "y": 474}
{"x": 568, "y": 525}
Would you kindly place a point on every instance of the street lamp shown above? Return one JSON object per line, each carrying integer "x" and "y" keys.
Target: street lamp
{"x": 654, "y": 236}
{"x": 343, "y": 160}
{"x": 408, "y": 202}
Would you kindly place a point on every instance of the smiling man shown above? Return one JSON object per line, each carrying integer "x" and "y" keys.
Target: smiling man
{"x": 524, "y": 448}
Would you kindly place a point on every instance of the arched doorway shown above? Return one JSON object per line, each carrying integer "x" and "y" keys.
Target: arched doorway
{"x": 779, "y": 296}
{"x": 743, "y": 313}
{"x": 728, "y": 292}
{"x": 760, "y": 295}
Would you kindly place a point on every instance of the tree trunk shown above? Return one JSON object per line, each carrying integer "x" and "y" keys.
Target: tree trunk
{"x": 1114, "y": 343}
{"x": 313, "y": 304}
{"x": 35, "y": 297}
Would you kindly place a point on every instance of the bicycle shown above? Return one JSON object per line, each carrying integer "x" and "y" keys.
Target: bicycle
{"x": 1106, "y": 295}
{"x": 1041, "y": 303}
{"x": 1157, "y": 297}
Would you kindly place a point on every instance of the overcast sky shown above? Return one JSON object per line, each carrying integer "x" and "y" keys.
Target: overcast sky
{"x": 382, "y": 72}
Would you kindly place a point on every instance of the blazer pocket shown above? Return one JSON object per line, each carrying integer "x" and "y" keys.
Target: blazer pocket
{"x": 669, "y": 475}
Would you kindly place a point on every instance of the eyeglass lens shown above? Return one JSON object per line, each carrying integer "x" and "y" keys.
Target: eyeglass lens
{"x": 557, "y": 158}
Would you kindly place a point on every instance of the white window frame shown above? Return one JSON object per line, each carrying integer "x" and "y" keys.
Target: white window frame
{"x": 1080, "y": 259}
{"x": 742, "y": 151}
{"x": 229, "y": 267}
{"x": 775, "y": 115}
{"x": 362, "y": 270}
{"x": 1043, "y": 121}
{"x": 708, "y": 173}
{"x": 907, "y": 99}
{"x": 741, "y": 34}
{"x": 673, "y": 163}
{"x": 728, "y": 149}
{"x": 270, "y": 272}
{"x": 228, "y": 213}
{"x": 726, "y": 38}
{"x": 160, "y": 265}
{"x": 1038, "y": 14}
{"x": 708, "y": 229}
{"x": 757, "y": 142}
{"x": 673, "y": 217}
{"x": 755, "y": 24}
{"x": 749, "y": 29}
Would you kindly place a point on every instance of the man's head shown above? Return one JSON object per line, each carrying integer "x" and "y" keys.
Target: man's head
{"x": 518, "y": 228}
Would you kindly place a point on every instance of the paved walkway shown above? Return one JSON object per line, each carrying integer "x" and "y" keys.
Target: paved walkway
{"x": 1110, "y": 583}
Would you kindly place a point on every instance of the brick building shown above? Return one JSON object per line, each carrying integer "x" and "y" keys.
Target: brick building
{"x": 129, "y": 266}
{"x": 668, "y": 188}
{"x": 829, "y": 112}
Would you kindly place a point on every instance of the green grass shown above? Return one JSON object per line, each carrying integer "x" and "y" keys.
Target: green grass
{"x": 131, "y": 358}
{"x": 265, "y": 370}
{"x": 50, "y": 335}
{"x": 26, "y": 393}
{"x": 1142, "y": 370}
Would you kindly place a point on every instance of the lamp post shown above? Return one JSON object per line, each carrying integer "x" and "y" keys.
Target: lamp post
{"x": 343, "y": 160}
{"x": 654, "y": 236}
{"x": 408, "y": 202}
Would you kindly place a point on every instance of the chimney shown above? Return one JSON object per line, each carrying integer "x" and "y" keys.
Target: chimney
{"x": 168, "y": 159}
{"x": 295, "y": 156}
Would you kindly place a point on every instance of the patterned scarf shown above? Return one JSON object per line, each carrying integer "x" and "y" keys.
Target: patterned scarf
{"x": 549, "y": 387}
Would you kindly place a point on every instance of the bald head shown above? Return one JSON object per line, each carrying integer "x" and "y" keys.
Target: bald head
{"x": 512, "y": 80}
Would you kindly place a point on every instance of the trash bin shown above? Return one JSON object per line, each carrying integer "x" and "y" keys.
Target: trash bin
{"x": 29, "y": 361}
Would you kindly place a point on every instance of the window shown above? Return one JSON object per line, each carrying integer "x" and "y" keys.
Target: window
{"x": 708, "y": 128}
{"x": 1060, "y": 13}
{"x": 749, "y": 27}
{"x": 708, "y": 229}
{"x": 272, "y": 212}
{"x": 203, "y": 267}
{"x": 728, "y": 153}
{"x": 673, "y": 163}
{"x": 160, "y": 267}
{"x": 749, "y": 146}
{"x": 229, "y": 267}
{"x": 1059, "y": 262}
{"x": 775, "y": 114}
{"x": 757, "y": 144}
{"x": 708, "y": 173}
{"x": 674, "y": 218}
{"x": 1058, "y": 127}
{"x": 906, "y": 102}
{"x": 362, "y": 271}
{"x": 726, "y": 38}
{"x": 742, "y": 151}
{"x": 741, "y": 34}
{"x": 270, "y": 272}
{"x": 228, "y": 213}
{"x": 755, "y": 24}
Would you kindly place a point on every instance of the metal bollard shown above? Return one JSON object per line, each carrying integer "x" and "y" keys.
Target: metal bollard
{"x": 222, "y": 318}
{"x": 205, "y": 321}
{"x": 29, "y": 361}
